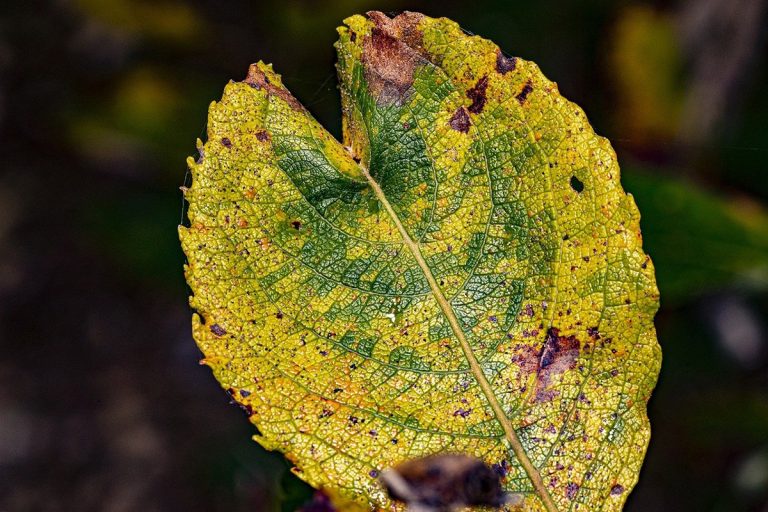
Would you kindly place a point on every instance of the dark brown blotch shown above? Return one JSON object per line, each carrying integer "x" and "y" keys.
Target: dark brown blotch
{"x": 558, "y": 354}
{"x": 478, "y": 95}
{"x": 404, "y": 26}
{"x": 390, "y": 56}
{"x": 527, "y": 89}
{"x": 505, "y": 64}
{"x": 460, "y": 120}
{"x": 263, "y": 136}
{"x": 388, "y": 66}
{"x": 226, "y": 142}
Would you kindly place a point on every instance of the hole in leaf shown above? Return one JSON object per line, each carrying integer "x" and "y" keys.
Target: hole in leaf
{"x": 576, "y": 184}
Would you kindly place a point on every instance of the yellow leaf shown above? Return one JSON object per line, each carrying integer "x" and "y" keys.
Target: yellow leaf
{"x": 464, "y": 273}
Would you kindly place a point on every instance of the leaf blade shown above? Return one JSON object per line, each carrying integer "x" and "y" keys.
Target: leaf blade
{"x": 359, "y": 309}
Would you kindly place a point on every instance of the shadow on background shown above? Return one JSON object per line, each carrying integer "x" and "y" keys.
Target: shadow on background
{"x": 102, "y": 403}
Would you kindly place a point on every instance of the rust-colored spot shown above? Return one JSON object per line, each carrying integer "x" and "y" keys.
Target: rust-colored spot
{"x": 477, "y": 95}
{"x": 558, "y": 355}
{"x": 522, "y": 95}
{"x": 263, "y": 135}
{"x": 390, "y": 56}
{"x": 258, "y": 80}
{"x": 218, "y": 330}
{"x": 226, "y": 142}
{"x": 460, "y": 120}
{"x": 505, "y": 64}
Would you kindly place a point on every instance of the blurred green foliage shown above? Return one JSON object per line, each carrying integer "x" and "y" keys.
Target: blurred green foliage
{"x": 701, "y": 243}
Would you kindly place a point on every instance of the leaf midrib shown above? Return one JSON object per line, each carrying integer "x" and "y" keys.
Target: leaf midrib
{"x": 477, "y": 371}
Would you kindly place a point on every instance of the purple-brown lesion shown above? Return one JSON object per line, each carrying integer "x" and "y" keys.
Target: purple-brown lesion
{"x": 504, "y": 63}
{"x": 558, "y": 355}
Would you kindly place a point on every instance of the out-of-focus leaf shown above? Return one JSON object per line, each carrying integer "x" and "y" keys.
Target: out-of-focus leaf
{"x": 165, "y": 19}
{"x": 464, "y": 274}
{"x": 700, "y": 241}
{"x": 646, "y": 67}
{"x": 129, "y": 126}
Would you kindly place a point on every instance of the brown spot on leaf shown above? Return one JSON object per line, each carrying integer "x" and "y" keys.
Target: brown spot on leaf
{"x": 258, "y": 80}
{"x": 505, "y": 64}
{"x": 263, "y": 136}
{"x": 522, "y": 95}
{"x": 460, "y": 120}
{"x": 296, "y": 224}
{"x": 404, "y": 26}
{"x": 477, "y": 95}
{"x": 558, "y": 355}
{"x": 218, "y": 330}
{"x": 390, "y": 55}
{"x": 226, "y": 142}
{"x": 617, "y": 490}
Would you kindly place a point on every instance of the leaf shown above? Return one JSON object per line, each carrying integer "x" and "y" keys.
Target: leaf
{"x": 464, "y": 274}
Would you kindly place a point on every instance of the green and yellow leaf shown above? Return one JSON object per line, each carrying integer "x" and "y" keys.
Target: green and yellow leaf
{"x": 463, "y": 274}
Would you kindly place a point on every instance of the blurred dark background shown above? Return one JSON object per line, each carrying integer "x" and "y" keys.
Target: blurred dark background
{"x": 102, "y": 403}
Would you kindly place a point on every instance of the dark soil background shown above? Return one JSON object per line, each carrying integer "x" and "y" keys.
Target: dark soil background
{"x": 102, "y": 403}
